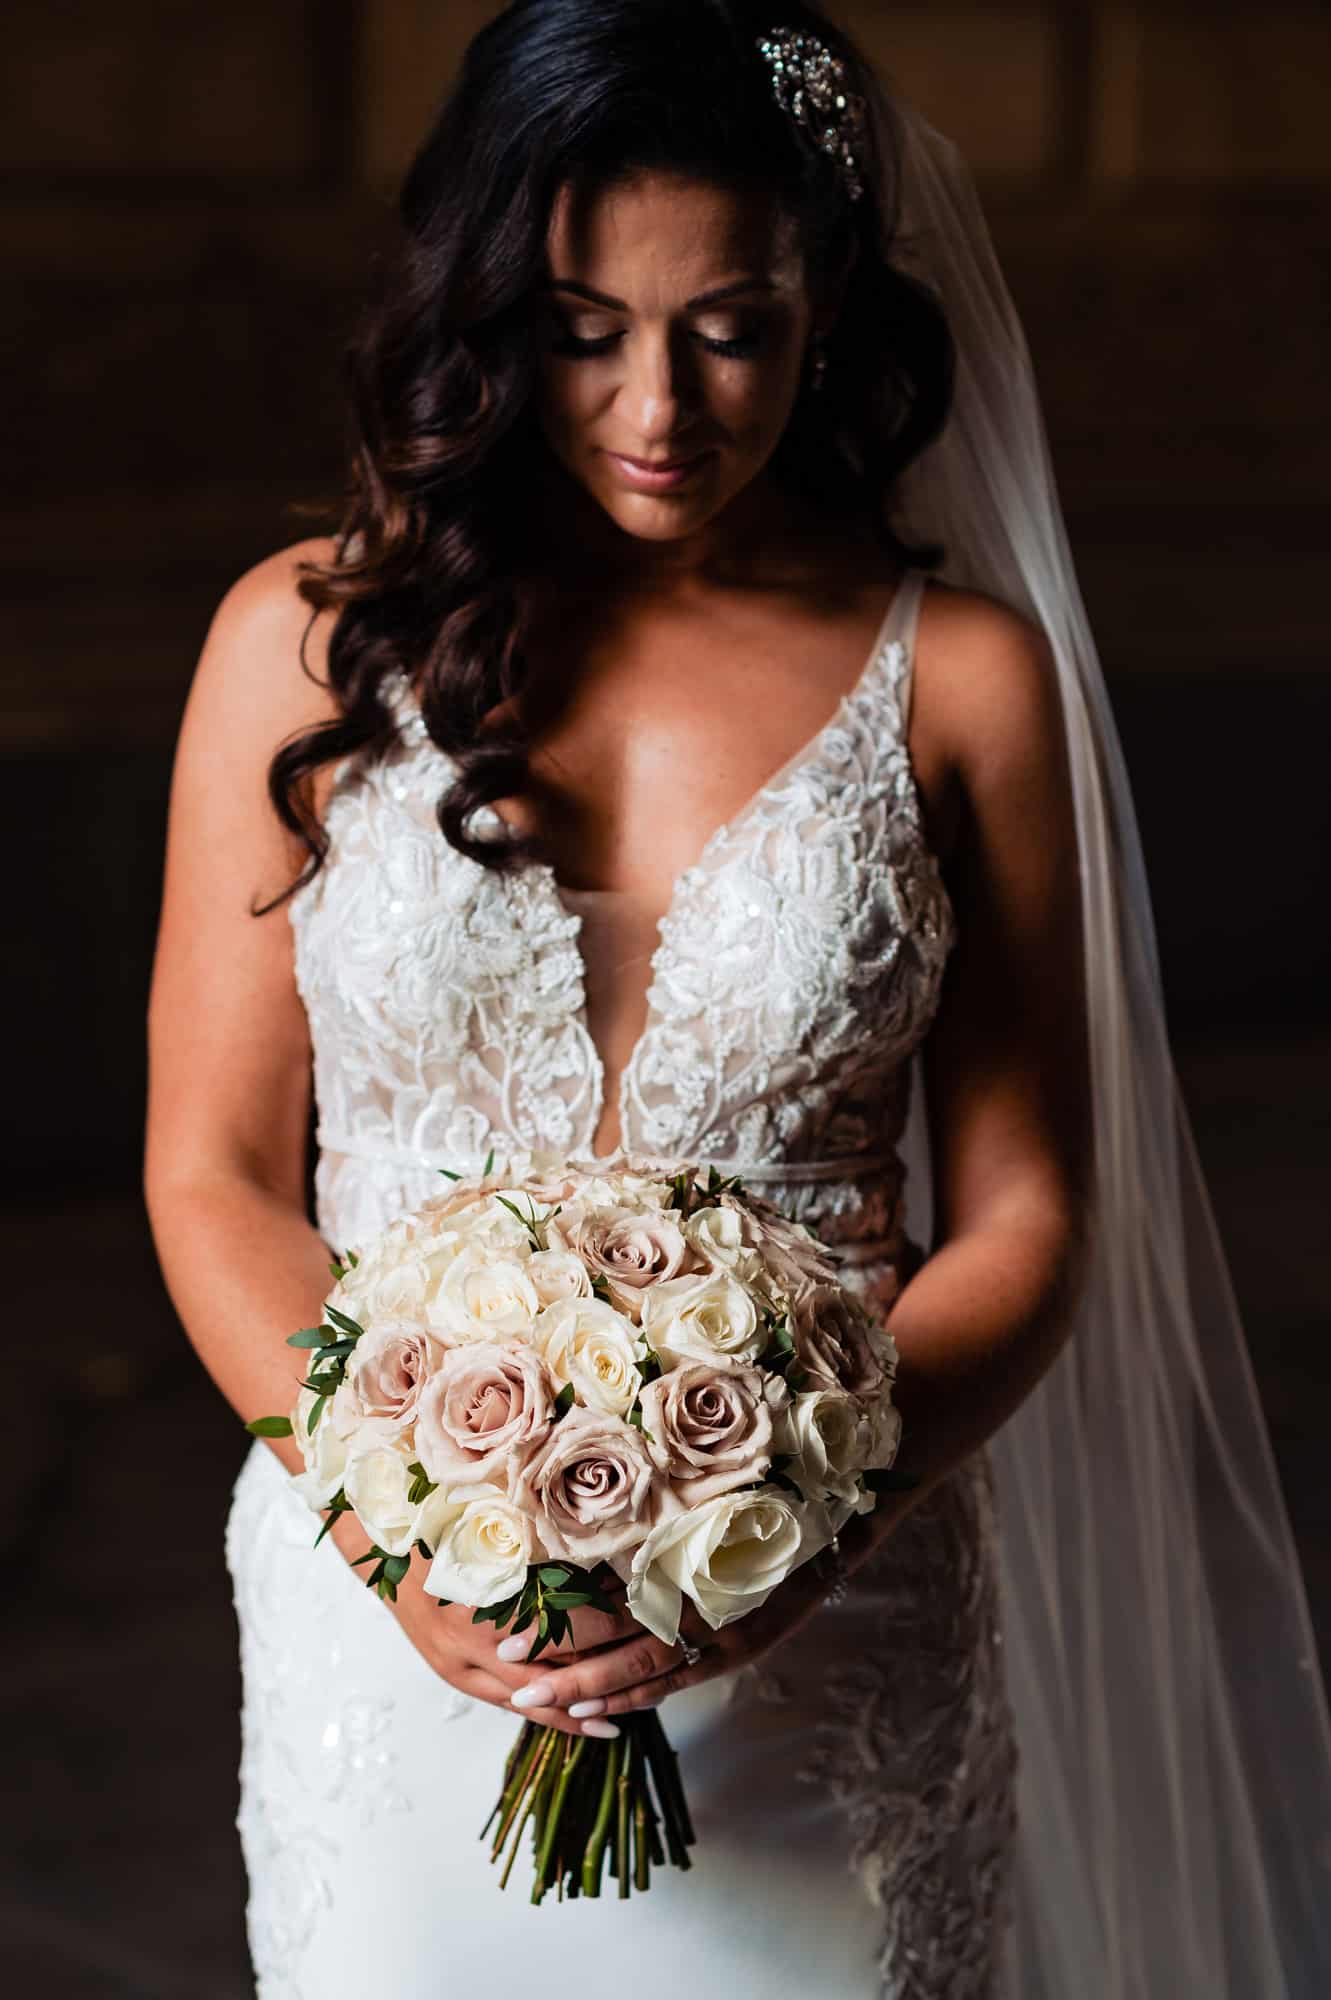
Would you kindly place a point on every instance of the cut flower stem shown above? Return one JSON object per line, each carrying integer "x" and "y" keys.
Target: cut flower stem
{"x": 590, "y": 1799}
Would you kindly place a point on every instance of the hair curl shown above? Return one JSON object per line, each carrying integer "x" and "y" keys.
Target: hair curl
{"x": 425, "y": 572}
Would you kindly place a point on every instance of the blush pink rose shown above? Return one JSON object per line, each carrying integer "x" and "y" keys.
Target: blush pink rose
{"x": 389, "y": 1368}
{"x": 631, "y": 1249}
{"x": 483, "y": 1412}
{"x": 592, "y": 1487}
{"x": 709, "y": 1428}
{"x": 833, "y": 1340}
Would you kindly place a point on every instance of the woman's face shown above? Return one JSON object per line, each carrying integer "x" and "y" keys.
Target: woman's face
{"x": 672, "y": 331}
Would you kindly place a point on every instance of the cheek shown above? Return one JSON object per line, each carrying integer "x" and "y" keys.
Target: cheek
{"x": 568, "y": 397}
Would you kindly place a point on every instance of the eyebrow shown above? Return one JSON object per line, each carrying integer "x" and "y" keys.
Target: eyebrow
{"x": 712, "y": 298}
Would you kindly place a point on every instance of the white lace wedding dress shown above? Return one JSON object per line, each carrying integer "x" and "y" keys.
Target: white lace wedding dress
{"x": 853, "y": 1792}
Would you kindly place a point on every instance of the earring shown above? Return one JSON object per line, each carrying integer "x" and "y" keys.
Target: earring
{"x": 818, "y": 369}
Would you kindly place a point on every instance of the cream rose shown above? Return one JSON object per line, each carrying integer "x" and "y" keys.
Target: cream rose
{"x": 325, "y": 1454}
{"x": 587, "y": 1343}
{"x": 483, "y": 1547}
{"x": 558, "y": 1274}
{"x": 829, "y": 1437}
{"x": 484, "y": 1297}
{"x": 484, "y": 1409}
{"x": 592, "y": 1487}
{"x": 717, "y": 1235}
{"x": 710, "y": 1428}
{"x": 728, "y": 1555}
{"x": 386, "y": 1372}
{"x": 630, "y": 1248}
{"x": 709, "y": 1317}
{"x": 377, "y": 1483}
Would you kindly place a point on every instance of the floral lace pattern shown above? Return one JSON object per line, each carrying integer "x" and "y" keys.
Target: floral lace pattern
{"x": 798, "y": 967}
{"x": 921, "y": 1750}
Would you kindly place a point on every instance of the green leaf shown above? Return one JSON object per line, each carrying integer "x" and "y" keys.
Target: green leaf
{"x": 337, "y": 1506}
{"x": 449, "y": 1175}
{"x": 422, "y": 1486}
{"x": 396, "y": 1567}
{"x": 423, "y": 1548}
{"x": 309, "y": 1336}
{"x": 316, "y": 1411}
{"x": 554, "y": 1574}
{"x": 345, "y": 1321}
{"x": 564, "y": 1600}
{"x": 564, "y": 1400}
{"x": 352, "y": 1257}
{"x": 270, "y": 1427}
{"x": 321, "y": 1385}
{"x": 489, "y": 1162}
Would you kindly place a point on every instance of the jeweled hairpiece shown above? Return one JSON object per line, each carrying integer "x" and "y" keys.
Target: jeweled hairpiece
{"x": 813, "y": 86}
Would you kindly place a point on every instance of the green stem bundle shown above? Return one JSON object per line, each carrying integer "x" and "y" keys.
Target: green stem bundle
{"x": 591, "y": 1799}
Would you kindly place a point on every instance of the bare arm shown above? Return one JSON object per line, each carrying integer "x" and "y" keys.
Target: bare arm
{"x": 1005, "y": 1064}
{"x": 229, "y": 1066}
{"x": 228, "y": 1045}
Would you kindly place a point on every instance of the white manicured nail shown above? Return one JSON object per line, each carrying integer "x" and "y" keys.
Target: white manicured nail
{"x": 592, "y": 1707}
{"x": 512, "y": 1649}
{"x": 538, "y": 1695}
{"x": 595, "y": 1728}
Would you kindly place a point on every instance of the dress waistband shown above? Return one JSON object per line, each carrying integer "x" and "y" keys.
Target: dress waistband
{"x": 790, "y": 1173}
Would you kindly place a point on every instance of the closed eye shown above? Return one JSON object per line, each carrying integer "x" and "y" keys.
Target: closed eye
{"x": 578, "y": 347}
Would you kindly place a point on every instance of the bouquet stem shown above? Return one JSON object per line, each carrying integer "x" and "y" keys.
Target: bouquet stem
{"x": 587, "y": 1797}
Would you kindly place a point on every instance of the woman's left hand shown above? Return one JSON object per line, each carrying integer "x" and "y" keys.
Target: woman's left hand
{"x": 644, "y": 1669}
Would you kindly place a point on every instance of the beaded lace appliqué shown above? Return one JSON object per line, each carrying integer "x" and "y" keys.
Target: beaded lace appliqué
{"x": 920, "y": 1747}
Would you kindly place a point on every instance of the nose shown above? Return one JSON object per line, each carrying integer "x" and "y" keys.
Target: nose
{"x": 658, "y": 391}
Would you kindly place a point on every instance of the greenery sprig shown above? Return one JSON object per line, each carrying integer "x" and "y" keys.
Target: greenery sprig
{"x": 545, "y": 1600}
{"x": 332, "y": 1346}
{"x": 688, "y": 1197}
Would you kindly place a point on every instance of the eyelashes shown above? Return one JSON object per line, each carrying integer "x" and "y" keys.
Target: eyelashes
{"x": 579, "y": 349}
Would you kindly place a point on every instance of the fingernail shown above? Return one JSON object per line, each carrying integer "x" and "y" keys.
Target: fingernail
{"x": 592, "y": 1707}
{"x": 599, "y": 1728}
{"x": 512, "y": 1649}
{"x": 539, "y": 1694}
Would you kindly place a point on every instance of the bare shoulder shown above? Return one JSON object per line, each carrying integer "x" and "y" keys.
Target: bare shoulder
{"x": 987, "y": 676}
{"x": 266, "y": 651}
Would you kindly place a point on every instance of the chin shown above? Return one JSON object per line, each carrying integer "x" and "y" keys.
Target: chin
{"x": 655, "y": 521}
{"x": 660, "y": 517}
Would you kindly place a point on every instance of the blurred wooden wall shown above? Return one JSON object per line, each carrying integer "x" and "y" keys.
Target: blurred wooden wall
{"x": 190, "y": 199}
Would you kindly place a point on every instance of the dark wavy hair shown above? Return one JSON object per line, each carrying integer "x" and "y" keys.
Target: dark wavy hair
{"x": 425, "y": 577}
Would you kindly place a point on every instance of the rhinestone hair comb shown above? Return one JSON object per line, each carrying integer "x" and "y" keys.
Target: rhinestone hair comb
{"x": 813, "y": 86}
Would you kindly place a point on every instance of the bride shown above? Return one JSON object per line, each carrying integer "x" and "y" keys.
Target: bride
{"x": 691, "y": 745}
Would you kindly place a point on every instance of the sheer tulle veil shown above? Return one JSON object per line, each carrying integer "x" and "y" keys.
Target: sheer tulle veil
{"x": 1175, "y": 1754}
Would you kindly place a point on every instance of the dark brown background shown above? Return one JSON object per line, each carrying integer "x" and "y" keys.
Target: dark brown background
{"x": 190, "y": 199}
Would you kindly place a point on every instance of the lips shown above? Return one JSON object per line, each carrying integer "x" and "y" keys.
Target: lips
{"x": 644, "y": 476}
{"x": 657, "y": 464}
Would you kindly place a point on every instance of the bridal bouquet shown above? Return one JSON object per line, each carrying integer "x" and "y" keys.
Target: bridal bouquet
{"x": 553, "y": 1377}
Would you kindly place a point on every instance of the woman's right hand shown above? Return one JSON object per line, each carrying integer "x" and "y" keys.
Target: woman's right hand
{"x": 467, "y": 1656}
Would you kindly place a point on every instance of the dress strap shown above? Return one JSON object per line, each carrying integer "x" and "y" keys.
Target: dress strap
{"x": 903, "y": 624}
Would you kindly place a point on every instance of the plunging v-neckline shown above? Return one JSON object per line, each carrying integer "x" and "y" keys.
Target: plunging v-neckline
{"x": 544, "y": 870}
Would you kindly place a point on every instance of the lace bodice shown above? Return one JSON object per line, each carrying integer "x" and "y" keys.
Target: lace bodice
{"x": 797, "y": 967}
{"x": 855, "y": 1787}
